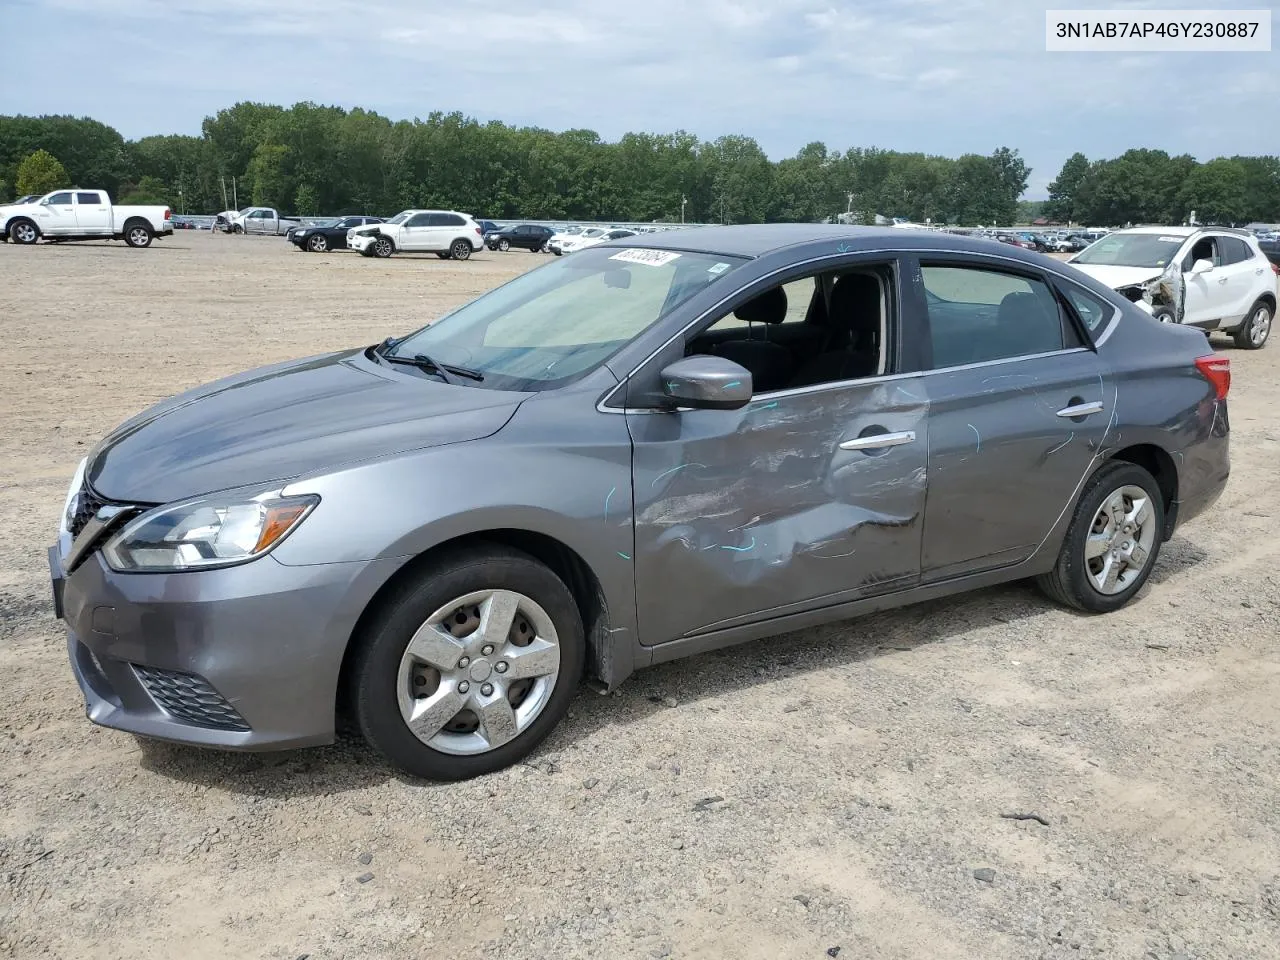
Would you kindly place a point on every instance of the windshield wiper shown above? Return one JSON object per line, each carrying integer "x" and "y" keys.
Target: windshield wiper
{"x": 447, "y": 372}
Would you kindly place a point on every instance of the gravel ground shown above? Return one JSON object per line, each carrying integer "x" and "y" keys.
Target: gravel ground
{"x": 840, "y": 790}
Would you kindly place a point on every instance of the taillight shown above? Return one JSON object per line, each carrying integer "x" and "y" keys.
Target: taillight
{"x": 1217, "y": 370}
{"x": 1275, "y": 268}
{"x": 479, "y": 233}
{"x": 167, "y": 213}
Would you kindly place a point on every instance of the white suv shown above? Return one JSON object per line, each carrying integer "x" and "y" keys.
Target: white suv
{"x": 1206, "y": 277}
{"x": 446, "y": 233}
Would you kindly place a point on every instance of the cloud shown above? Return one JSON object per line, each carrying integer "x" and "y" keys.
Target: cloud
{"x": 942, "y": 76}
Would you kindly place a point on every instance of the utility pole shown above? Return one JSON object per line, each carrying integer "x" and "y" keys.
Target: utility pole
{"x": 235, "y": 197}
{"x": 683, "y": 200}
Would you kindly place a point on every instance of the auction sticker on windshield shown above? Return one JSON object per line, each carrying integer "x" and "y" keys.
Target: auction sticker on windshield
{"x": 650, "y": 258}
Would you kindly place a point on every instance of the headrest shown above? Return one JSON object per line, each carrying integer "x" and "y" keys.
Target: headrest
{"x": 767, "y": 307}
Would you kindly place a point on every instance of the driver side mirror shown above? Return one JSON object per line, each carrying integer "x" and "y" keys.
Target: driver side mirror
{"x": 706, "y": 383}
{"x": 1201, "y": 266}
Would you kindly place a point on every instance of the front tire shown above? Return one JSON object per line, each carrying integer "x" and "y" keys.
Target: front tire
{"x": 467, "y": 667}
{"x": 382, "y": 248}
{"x": 1113, "y": 541}
{"x": 318, "y": 243}
{"x": 1255, "y": 331}
{"x": 24, "y": 232}
{"x": 460, "y": 250}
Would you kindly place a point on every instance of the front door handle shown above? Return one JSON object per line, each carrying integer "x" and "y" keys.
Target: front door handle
{"x": 876, "y": 441}
{"x": 1223, "y": 279}
{"x": 1081, "y": 410}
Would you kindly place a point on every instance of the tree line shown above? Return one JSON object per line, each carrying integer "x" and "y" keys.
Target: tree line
{"x": 310, "y": 159}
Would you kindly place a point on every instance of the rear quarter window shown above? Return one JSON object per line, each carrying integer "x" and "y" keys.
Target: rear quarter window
{"x": 1092, "y": 310}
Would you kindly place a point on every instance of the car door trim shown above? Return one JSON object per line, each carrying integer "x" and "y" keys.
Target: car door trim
{"x": 601, "y": 404}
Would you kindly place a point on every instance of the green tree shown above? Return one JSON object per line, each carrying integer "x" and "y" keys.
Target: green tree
{"x": 1062, "y": 191}
{"x": 1218, "y": 192}
{"x": 148, "y": 190}
{"x": 40, "y": 173}
{"x": 306, "y": 201}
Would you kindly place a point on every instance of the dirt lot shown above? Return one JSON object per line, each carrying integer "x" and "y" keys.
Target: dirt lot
{"x": 864, "y": 767}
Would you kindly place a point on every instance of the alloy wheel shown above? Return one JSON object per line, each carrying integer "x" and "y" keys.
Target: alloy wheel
{"x": 1121, "y": 536}
{"x": 24, "y": 233}
{"x": 478, "y": 672}
{"x": 318, "y": 243}
{"x": 1260, "y": 325}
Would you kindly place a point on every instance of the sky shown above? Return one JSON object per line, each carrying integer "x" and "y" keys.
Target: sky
{"x": 940, "y": 76}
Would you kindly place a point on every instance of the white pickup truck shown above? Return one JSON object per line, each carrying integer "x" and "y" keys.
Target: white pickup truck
{"x": 260, "y": 220}
{"x": 83, "y": 215}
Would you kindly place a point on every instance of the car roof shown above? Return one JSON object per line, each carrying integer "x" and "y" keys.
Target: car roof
{"x": 1164, "y": 231}
{"x": 756, "y": 240}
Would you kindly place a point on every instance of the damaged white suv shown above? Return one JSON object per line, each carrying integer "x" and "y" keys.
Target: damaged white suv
{"x": 1208, "y": 277}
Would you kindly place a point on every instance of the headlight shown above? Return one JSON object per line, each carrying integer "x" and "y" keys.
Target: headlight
{"x": 205, "y": 533}
{"x": 73, "y": 495}
{"x": 299, "y": 233}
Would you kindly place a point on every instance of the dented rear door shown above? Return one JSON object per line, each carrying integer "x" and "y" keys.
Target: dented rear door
{"x": 744, "y": 515}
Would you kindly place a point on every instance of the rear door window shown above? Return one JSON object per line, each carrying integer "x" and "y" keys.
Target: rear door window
{"x": 978, "y": 314}
{"x": 89, "y": 199}
{"x": 1234, "y": 250}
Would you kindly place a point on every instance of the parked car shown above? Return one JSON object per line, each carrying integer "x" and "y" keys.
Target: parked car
{"x": 83, "y": 215}
{"x": 330, "y": 235}
{"x": 487, "y": 227}
{"x": 446, "y": 233}
{"x": 1210, "y": 278}
{"x": 557, "y": 244}
{"x": 1271, "y": 248}
{"x": 604, "y": 465}
{"x": 525, "y": 236}
{"x": 262, "y": 220}
{"x": 589, "y": 239}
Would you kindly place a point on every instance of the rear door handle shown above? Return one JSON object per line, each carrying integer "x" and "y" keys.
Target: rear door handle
{"x": 1081, "y": 410}
{"x": 1224, "y": 279}
{"x": 876, "y": 441}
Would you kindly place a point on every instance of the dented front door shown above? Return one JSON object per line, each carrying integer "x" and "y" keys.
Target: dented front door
{"x": 798, "y": 501}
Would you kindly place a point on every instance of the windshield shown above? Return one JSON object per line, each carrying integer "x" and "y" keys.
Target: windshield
{"x": 558, "y": 322}
{"x": 592, "y": 232}
{"x": 401, "y": 217}
{"x": 323, "y": 222}
{"x": 1132, "y": 250}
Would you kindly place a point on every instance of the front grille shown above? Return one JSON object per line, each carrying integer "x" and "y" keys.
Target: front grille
{"x": 189, "y": 698}
{"x": 87, "y": 504}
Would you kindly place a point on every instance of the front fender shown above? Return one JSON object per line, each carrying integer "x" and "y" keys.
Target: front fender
{"x": 559, "y": 469}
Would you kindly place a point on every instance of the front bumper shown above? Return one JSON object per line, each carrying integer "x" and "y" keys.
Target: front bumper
{"x": 243, "y": 658}
{"x": 360, "y": 243}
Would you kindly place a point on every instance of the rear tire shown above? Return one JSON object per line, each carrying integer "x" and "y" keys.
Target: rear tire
{"x": 24, "y": 232}
{"x": 1104, "y": 548}
{"x": 1256, "y": 329}
{"x": 452, "y": 596}
{"x": 138, "y": 234}
{"x": 460, "y": 250}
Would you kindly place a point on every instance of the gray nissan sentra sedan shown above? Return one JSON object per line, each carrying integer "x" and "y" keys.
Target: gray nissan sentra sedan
{"x": 655, "y": 447}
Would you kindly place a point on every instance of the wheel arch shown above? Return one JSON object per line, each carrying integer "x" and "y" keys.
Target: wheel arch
{"x": 561, "y": 559}
{"x": 8, "y": 227}
{"x": 1160, "y": 464}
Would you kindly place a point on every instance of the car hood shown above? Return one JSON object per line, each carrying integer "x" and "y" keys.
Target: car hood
{"x": 283, "y": 421}
{"x": 1118, "y": 277}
